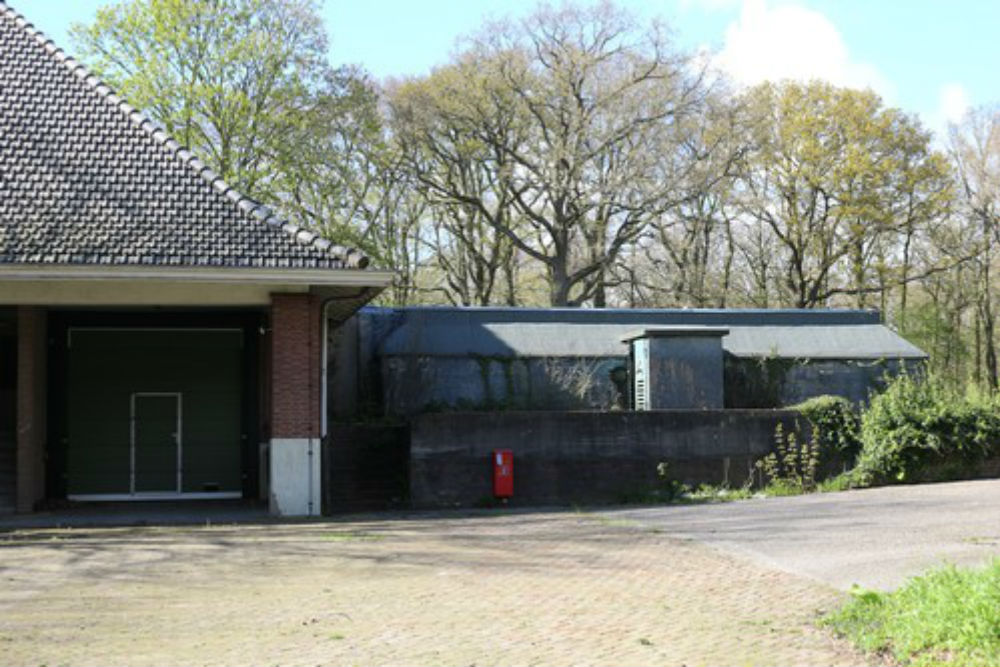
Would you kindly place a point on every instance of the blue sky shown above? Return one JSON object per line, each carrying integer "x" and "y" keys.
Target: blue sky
{"x": 931, "y": 57}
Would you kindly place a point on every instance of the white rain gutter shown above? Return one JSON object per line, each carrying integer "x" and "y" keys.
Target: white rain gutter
{"x": 318, "y": 277}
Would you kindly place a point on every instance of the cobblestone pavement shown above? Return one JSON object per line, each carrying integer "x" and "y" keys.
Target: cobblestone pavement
{"x": 526, "y": 589}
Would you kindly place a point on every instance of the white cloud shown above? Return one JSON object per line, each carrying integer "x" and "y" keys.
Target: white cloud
{"x": 953, "y": 103}
{"x": 792, "y": 42}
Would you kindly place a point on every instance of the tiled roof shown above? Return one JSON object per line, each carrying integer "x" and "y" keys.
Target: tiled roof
{"x": 86, "y": 179}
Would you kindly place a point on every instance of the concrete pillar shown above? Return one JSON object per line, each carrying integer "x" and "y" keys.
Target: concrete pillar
{"x": 31, "y": 404}
{"x": 296, "y": 348}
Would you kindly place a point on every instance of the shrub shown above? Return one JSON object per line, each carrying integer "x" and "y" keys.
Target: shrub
{"x": 920, "y": 429}
{"x": 836, "y": 428}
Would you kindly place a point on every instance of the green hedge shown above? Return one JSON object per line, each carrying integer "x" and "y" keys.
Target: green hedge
{"x": 919, "y": 429}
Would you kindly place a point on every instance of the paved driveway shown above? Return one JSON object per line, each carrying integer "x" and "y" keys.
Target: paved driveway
{"x": 872, "y": 537}
{"x": 718, "y": 584}
{"x": 529, "y": 589}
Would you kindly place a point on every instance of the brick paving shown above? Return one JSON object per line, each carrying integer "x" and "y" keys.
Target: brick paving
{"x": 525, "y": 589}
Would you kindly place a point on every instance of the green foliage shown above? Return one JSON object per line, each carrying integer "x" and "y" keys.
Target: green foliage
{"x": 225, "y": 78}
{"x": 791, "y": 468}
{"x": 672, "y": 491}
{"x": 834, "y": 173}
{"x": 711, "y": 493}
{"x": 947, "y": 617}
{"x": 933, "y": 327}
{"x": 841, "y": 482}
{"x": 245, "y": 86}
{"x": 921, "y": 429}
{"x": 555, "y": 134}
{"x": 836, "y": 427}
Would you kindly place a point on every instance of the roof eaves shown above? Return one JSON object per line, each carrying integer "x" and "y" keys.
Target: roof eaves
{"x": 350, "y": 258}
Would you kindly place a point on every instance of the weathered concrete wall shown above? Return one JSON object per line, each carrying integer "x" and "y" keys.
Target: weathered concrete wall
{"x": 365, "y": 467}
{"x": 583, "y": 457}
{"x": 412, "y": 385}
{"x": 854, "y": 380}
{"x": 343, "y": 371}
{"x": 774, "y": 383}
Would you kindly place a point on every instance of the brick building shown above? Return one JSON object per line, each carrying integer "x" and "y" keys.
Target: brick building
{"x": 161, "y": 334}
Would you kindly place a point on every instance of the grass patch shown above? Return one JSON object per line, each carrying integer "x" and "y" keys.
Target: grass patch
{"x": 842, "y": 482}
{"x": 949, "y": 616}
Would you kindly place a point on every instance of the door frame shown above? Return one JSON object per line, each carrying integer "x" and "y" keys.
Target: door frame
{"x": 179, "y": 438}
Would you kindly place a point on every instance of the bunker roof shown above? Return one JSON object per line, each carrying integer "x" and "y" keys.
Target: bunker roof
{"x": 550, "y": 332}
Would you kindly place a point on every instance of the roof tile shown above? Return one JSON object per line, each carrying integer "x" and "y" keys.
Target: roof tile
{"x": 85, "y": 178}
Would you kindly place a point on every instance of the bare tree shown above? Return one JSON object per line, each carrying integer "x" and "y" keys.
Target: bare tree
{"x": 975, "y": 149}
{"x": 687, "y": 254}
{"x": 577, "y": 115}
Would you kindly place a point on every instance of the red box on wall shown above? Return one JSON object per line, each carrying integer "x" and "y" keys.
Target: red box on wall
{"x": 503, "y": 473}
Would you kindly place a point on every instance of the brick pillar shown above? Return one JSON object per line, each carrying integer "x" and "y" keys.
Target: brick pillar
{"x": 296, "y": 350}
{"x": 31, "y": 414}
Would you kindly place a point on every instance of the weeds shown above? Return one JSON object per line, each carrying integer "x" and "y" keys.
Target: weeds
{"x": 791, "y": 468}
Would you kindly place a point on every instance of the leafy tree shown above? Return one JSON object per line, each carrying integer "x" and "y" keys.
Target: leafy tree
{"x": 226, "y": 78}
{"x": 841, "y": 185}
{"x": 343, "y": 174}
{"x": 246, "y": 86}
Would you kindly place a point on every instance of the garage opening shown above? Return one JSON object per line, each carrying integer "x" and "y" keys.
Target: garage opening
{"x": 154, "y": 414}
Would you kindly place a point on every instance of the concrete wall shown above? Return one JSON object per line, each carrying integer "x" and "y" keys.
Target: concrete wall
{"x": 365, "y": 467}
{"x": 583, "y": 457}
{"x": 411, "y": 385}
{"x": 772, "y": 383}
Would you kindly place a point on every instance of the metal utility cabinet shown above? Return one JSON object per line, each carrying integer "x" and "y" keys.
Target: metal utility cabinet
{"x": 676, "y": 367}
